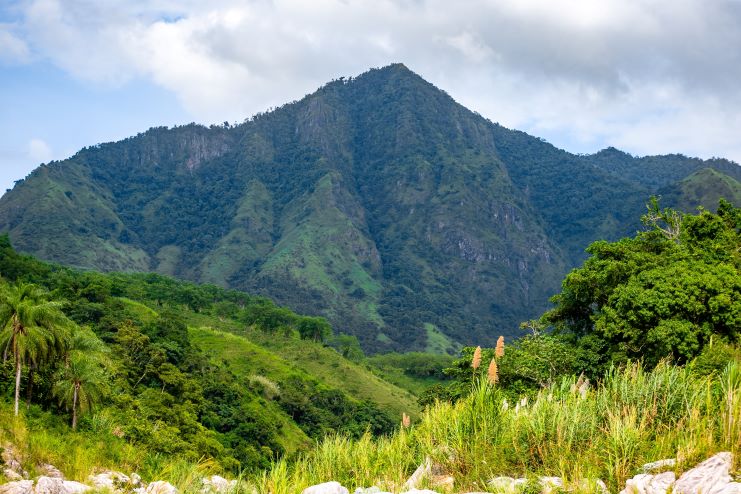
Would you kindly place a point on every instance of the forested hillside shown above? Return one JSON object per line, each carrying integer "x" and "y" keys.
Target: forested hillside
{"x": 377, "y": 202}
{"x": 172, "y": 369}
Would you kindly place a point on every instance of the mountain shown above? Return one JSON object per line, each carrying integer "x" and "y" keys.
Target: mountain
{"x": 377, "y": 201}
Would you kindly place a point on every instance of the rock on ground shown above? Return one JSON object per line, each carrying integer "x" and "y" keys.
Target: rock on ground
{"x": 18, "y": 487}
{"x": 709, "y": 477}
{"x": 326, "y": 488}
{"x": 217, "y": 485}
{"x": 161, "y": 487}
{"x": 649, "y": 484}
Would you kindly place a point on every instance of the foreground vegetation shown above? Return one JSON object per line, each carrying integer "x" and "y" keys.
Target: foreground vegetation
{"x": 607, "y": 433}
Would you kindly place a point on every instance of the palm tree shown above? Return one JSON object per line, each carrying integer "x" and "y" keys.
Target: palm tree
{"x": 80, "y": 384}
{"x": 32, "y": 328}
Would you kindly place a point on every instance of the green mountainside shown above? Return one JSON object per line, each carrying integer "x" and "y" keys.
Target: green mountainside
{"x": 377, "y": 202}
{"x": 192, "y": 371}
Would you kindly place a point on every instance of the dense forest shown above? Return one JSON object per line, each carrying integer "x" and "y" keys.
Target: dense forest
{"x": 127, "y": 345}
{"x": 376, "y": 202}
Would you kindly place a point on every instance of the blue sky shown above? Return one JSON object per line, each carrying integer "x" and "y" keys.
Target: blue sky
{"x": 646, "y": 76}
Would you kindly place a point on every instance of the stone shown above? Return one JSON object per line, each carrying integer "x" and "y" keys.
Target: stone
{"x": 110, "y": 480}
{"x": 326, "y": 488}
{"x": 656, "y": 466}
{"x": 161, "y": 487}
{"x": 72, "y": 487}
{"x": 49, "y": 485}
{"x": 423, "y": 471}
{"x": 370, "y": 490}
{"x": 420, "y": 491}
{"x": 649, "y": 484}
{"x": 18, "y": 487}
{"x": 709, "y": 477}
{"x": 12, "y": 461}
{"x": 136, "y": 480}
{"x": 11, "y": 474}
{"x": 506, "y": 484}
{"x": 217, "y": 485}
{"x": 48, "y": 470}
{"x": 550, "y": 484}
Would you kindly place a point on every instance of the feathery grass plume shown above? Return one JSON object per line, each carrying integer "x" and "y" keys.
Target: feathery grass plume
{"x": 405, "y": 420}
{"x": 476, "y": 362}
{"x": 499, "y": 351}
{"x": 493, "y": 372}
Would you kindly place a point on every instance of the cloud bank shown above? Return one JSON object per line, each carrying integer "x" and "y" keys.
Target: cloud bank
{"x": 647, "y": 76}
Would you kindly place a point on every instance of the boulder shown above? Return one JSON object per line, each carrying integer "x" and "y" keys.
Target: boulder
{"x": 71, "y": 487}
{"x": 48, "y": 470}
{"x": 423, "y": 471}
{"x": 217, "y": 485}
{"x": 12, "y": 460}
{"x": 656, "y": 466}
{"x": 709, "y": 477}
{"x": 506, "y": 484}
{"x": 18, "y": 487}
{"x": 649, "y": 484}
{"x": 49, "y": 485}
{"x": 110, "y": 480}
{"x": 326, "y": 488}
{"x": 550, "y": 484}
{"x": 161, "y": 487}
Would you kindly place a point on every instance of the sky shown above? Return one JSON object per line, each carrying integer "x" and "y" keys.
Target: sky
{"x": 645, "y": 76}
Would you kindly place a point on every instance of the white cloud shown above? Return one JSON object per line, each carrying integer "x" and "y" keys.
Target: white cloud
{"x": 651, "y": 75}
{"x": 12, "y": 48}
{"x": 39, "y": 151}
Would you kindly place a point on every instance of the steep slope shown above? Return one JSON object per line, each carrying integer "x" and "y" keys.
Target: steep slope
{"x": 703, "y": 188}
{"x": 377, "y": 201}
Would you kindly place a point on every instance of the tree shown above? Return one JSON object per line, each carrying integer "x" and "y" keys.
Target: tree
{"x": 80, "y": 384}
{"x": 314, "y": 328}
{"x": 32, "y": 328}
{"x": 664, "y": 293}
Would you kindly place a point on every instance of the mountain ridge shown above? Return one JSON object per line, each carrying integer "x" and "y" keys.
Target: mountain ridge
{"x": 377, "y": 201}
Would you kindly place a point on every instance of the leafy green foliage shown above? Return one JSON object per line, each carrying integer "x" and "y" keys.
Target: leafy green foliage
{"x": 132, "y": 357}
{"x": 664, "y": 293}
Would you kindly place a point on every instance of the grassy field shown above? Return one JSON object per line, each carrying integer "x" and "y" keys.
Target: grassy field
{"x": 277, "y": 356}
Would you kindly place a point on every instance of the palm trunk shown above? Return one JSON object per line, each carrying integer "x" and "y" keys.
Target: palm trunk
{"x": 29, "y": 385}
{"x": 17, "y": 382}
{"x": 74, "y": 408}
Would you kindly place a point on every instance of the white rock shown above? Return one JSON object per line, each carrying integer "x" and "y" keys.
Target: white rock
{"x": 732, "y": 488}
{"x": 217, "y": 485}
{"x": 11, "y": 474}
{"x": 423, "y": 471}
{"x": 659, "y": 465}
{"x": 161, "y": 487}
{"x": 109, "y": 480}
{"x": 48, "y": 470}
{"x": 550, "y": 484}
{"x": 19, "y": 487}
{"x": 49, "y": 485}
{"x": 709, "y": 477}
{"x": 506, "y": 484}
{"x": 649, "y": 484}
{"x": 420, "y": 491}
{"x": 326, "y": 488}
{"x": 72, "y": 487}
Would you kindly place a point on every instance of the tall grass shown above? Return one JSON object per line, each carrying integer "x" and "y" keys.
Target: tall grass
{"x": 608, "y": 432}
{"x": 631, "y": 418}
